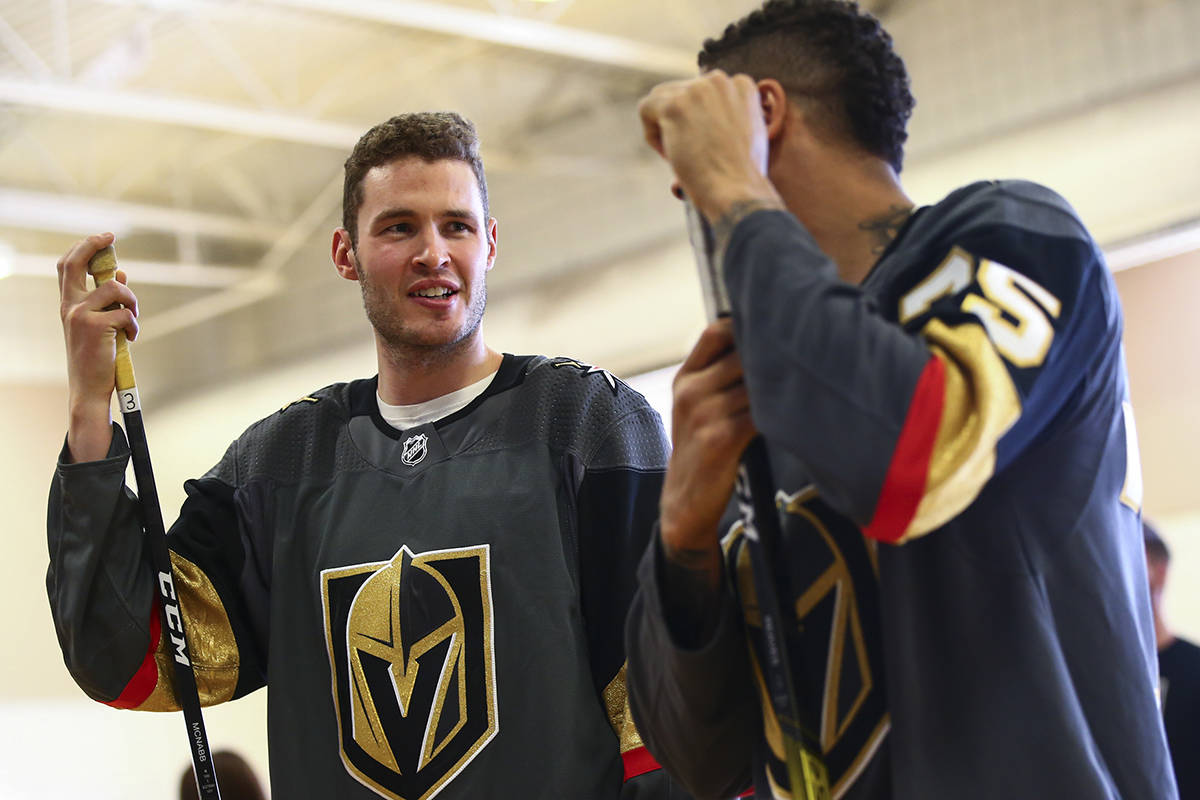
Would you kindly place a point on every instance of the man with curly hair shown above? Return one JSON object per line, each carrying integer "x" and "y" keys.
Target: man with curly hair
{"x": 943, "y": 399}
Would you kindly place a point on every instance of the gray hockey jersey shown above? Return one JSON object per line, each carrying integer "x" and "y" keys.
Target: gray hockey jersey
{"x": 436, "y": 611}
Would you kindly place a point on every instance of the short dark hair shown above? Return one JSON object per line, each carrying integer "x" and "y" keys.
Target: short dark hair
{"x": 1156, "y": 548}
{"x": 238, "y": 780}
{"x": 429, "y": 135}
{"x": 829, "y": 52}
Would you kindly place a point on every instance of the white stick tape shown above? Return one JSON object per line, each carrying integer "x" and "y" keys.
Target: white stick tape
{"x": 128, "y": 400}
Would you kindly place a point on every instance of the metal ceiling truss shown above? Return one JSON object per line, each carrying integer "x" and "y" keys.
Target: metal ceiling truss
{"x": 48, "y": 86}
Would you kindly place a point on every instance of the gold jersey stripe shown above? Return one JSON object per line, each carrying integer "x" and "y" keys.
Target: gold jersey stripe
{"x": 211, "y": 643}
{"x": 616, "y": 703}
{"x": 980, "y": 405}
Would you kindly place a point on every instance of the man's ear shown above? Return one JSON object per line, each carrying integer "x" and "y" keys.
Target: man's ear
{"x": 342, "y": 253}
{"x": 492, "y": 232}
{"x": 773, "y": 99}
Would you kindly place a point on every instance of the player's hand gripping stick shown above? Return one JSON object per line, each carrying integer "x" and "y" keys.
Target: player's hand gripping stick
{"x": 103, "y": 267}
{"x": 756, "y": 500}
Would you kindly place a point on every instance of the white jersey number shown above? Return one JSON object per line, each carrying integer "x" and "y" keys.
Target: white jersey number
{"x": 1015, "y": 309}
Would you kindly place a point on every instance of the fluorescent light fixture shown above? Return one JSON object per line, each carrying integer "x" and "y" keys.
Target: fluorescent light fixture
{"x": 7, "y": 259}
{"x": 143, "y": 273}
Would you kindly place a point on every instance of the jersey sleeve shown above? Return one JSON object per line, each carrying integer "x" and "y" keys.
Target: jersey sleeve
{"x": 616, "y": 505}
{"x": 901, "y": 419}
{"x": 101, "y": 586}
{"x": 693, "y": 700}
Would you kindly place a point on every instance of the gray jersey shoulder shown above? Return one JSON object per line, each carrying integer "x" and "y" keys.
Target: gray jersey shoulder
{"x": 303, "y": 438}
{"x": 569, "y": 405}
{"x": 588, "y": 412}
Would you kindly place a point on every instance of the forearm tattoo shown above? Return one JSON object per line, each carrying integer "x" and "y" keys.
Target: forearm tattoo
{"x": 722, "y": 229}
{"x": 886, "y": 226}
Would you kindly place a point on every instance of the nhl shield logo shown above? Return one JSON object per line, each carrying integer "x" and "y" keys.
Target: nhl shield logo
{"x": 414, "y": 449}
{"x": 411, "y": 651}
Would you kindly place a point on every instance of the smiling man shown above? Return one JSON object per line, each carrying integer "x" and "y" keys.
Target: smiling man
{"x": 430, "y": 568}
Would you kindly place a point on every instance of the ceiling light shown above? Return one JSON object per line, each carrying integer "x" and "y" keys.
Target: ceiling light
{"x": 7, "y": 259}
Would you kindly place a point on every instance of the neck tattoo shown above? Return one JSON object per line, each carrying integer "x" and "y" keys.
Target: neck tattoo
{"x": 884, "y": 228}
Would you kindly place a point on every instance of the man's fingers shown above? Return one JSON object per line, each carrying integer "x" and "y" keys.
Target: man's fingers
{"x": 121, "y": 319}
{"x": 109, "y": 294}
{"x": 72, "y": 267}
{"x": 704, "y": 409}
{"x": 649, "y": 110}
{"x": 112, "y": 305}
{"x": 715, "y": 340}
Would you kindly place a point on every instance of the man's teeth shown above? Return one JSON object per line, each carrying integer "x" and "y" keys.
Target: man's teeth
{"x": 435, "y": 291}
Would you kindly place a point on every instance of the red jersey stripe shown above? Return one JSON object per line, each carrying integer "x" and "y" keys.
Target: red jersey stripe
{"x": 904, "y": 485}
{"x": 142, "y": 684}
{"x": 638, "y": 761}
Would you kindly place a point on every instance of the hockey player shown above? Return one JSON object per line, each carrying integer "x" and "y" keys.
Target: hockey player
{"x": 430, "y": 568}
{"x": 1178, "y": 672}
{"x": 943, "y": 399}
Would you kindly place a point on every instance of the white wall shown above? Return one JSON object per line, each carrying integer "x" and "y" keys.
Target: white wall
{"x": 1181, "y": 597}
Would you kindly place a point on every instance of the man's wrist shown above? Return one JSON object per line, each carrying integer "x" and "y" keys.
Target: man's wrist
{"x": 690, "y": 592}
{"x": 698, "y": 555}
{"x": 89, "y": 432}
{"x": 725, "y": 214}
{"x": 725, "y": 198}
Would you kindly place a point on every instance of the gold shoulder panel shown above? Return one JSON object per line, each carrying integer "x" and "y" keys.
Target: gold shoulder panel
{"x": 211, "y": 643}
{"x": 980, "y": 404}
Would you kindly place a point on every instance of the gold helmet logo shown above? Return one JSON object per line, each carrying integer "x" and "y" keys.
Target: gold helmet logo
{"x": 411, "y": 648}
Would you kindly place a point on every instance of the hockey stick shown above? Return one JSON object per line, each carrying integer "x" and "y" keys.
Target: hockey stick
{"x": 103, "y": 267}
{"x": 755, "y": 490}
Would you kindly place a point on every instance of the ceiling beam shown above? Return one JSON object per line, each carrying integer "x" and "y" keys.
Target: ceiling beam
{"x": 21, "y": 52}
{"x": 142, "y": 273}
{"x": 1158, "y": 246}
{"x": 174, "y": 110}
{"x": 264, "y": 281}
{"x": 165, "y": 109}
{"x": 79, "y": 215}
{"x": 517, "y": 32}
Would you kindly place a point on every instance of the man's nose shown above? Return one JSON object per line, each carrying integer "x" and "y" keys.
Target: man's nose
{"x": 433, "y": 252}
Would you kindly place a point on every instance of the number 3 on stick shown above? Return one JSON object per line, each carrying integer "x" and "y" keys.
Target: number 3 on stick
{"x": 103, "y": 267}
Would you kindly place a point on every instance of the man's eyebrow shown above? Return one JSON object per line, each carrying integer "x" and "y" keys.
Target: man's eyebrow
{"x": 400, "y": 212}
{"x": 392, "y": 213}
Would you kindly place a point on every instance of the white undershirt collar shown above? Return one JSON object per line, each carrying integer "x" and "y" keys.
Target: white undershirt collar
{"x": 404, "y": 417}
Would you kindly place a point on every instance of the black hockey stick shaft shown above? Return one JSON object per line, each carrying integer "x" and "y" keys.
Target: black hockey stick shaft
{"x": 103, "y": 268}
{"x": 760, "y": 520}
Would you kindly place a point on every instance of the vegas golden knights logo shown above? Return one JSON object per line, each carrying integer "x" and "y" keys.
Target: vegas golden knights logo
{"x": 829, "y": 581}
{"x": 410, "y": 650}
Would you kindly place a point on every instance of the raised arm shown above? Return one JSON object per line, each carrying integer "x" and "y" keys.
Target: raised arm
{"x": 91, "y": 319}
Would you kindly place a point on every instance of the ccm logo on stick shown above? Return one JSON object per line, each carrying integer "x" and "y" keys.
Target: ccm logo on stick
{"x": 166, "y": 587}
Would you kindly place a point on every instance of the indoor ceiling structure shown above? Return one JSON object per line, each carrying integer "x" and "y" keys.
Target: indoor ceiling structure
{"x": 209, "y": 135}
